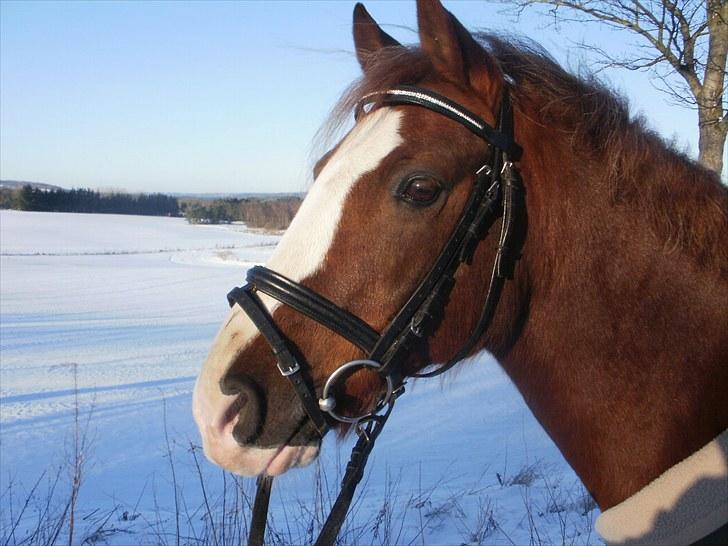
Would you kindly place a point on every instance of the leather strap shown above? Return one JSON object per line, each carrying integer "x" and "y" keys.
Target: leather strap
{"x": 396, "y": 332}
{"x": 256, "y": 535}
{"x": 480, "y": 213}
{"x": 506, "y": 256}
{"x": 354, "y": 472}
{"x": 248, "y": 300}
{"x": 409, "y": 94}
{"x": 314, "y": 306}
{"x": 368, "y": 434}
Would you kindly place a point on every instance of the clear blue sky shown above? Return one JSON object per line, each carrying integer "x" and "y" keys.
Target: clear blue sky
{"x": 212, "y": 96}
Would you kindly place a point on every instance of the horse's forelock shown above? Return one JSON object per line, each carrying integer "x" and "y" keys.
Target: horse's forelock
{"x": 390, "y": 66}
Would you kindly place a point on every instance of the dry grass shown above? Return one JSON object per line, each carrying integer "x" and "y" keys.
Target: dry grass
{"x": 216, "y": 512}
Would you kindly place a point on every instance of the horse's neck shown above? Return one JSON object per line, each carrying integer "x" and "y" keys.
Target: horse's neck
{"x": 623, "y": 355}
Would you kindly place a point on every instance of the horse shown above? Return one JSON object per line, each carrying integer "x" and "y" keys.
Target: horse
{"x": 613, "y": 319}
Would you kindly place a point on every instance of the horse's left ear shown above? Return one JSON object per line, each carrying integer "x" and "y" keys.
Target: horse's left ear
{"x": 368, "y": 36}
{"x": 453, "y": 51}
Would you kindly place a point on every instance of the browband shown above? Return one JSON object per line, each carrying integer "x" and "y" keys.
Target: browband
{"x": 407, "y": 94}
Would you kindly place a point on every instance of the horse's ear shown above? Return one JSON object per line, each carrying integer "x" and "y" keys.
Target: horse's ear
{"x": 368, "y": 36}
{"x": 452, "y": 49}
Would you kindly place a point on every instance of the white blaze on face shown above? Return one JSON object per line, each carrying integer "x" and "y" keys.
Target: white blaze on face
{"x": 299, "y": 254}
{"x": 305, "y": 244}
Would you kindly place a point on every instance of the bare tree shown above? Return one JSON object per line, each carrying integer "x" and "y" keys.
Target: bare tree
{"x": 683, "y": 43}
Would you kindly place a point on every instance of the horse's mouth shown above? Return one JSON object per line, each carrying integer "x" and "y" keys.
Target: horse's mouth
{"x": 221, "y": 447}
{"x": 254, "y": 461}
{"x": 287, "y": 457}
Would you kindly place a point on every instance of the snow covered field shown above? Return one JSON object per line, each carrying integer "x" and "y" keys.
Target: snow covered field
{"x": 104, "y": 322}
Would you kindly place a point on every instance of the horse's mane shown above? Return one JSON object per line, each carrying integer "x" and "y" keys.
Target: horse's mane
{"x": 685, "y": 204}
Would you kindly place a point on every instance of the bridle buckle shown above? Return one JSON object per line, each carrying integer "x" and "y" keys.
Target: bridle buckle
{"x": 289, "y": 370}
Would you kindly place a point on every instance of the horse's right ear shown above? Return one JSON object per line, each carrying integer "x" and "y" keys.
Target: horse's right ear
{"x": 368, "y": 36}
{"x": 453, "y": 50}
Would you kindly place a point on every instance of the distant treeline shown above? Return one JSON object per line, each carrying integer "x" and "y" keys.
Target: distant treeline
{"x": 264, "y": 213}
{"x": 85, "y": 200}
{"x": 273, "y": 214}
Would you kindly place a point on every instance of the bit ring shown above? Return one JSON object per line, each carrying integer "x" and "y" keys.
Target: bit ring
{"x": 327, "y": 403}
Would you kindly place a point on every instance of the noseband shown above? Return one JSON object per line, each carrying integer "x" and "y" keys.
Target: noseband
{"x": 494, "y": 195}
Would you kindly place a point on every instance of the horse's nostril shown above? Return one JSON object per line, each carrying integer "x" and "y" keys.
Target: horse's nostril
{"x": 234, "y": 384}
{"x": 249, "y": 405}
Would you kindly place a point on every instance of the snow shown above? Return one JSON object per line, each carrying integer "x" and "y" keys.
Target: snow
{"x": 104, "y": 322}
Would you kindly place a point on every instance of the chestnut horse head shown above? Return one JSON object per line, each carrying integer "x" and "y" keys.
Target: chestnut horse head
{"x": 612, "y": 326}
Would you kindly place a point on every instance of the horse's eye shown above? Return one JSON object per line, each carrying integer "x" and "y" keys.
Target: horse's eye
{"x": 421, "y": 190}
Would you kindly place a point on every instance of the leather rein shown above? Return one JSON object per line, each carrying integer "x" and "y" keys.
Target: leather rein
{"x": 495, "y": 194}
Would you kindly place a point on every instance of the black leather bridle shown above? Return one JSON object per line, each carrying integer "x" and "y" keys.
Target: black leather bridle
{"x": 495, "y": 194}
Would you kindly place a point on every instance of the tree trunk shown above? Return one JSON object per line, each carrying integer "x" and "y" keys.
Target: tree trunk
{"x": 711, "y": 143}
{"x": 711, "y": 122}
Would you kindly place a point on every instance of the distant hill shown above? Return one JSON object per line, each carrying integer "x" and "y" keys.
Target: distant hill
{"x": 13, "y": 184}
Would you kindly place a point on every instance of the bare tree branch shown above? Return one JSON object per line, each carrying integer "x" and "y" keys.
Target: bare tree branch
{"x": 684, "y": 38}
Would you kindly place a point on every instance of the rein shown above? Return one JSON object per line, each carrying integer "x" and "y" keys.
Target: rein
{"x": 494, "y": 194}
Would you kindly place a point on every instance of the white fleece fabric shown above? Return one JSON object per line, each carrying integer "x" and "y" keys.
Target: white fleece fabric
{"x": 683, "y": 505}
